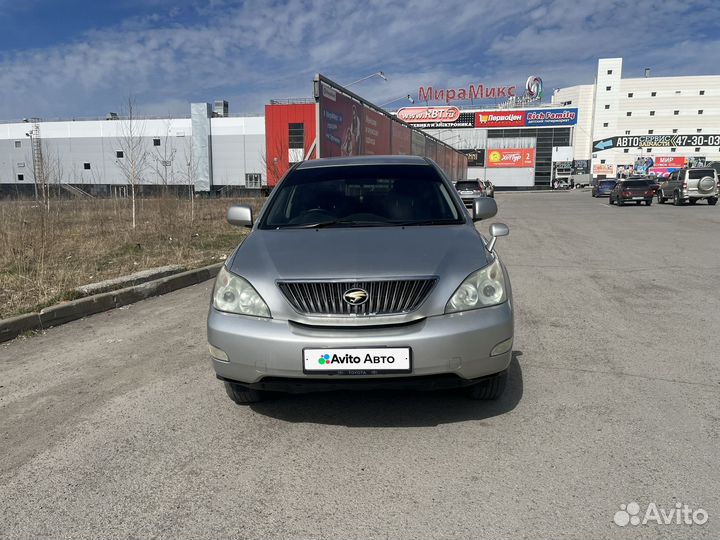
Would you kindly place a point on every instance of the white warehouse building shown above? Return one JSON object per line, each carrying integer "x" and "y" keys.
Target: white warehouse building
{"x": 644, "y": 121}
{"x": 209, "y": 149}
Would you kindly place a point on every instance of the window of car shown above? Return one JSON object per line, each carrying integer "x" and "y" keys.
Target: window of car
{"x": 361, "y": 196}
{"x": 635, "y": 183}
{"x": 467, "y": 186}
{"x": 695, "y": 174}
{"x": 607, "y": 183}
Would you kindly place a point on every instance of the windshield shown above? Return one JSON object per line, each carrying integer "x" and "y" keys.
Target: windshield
{"x": 361, "y": 196}
{"x": 636, "y": 184}
{"x": 467, "y": 186}
{"x": 701, "y": 173}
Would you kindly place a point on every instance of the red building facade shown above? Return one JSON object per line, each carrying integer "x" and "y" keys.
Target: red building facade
{"x": 289, "y": 134}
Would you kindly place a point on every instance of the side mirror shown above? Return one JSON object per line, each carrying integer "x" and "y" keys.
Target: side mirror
{"x": 240, "y": 216}
{"x": 483, "y": 208}
{"x": 496, "y": 230}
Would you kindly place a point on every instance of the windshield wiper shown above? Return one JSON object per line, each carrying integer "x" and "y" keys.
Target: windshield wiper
{"x": 330, "y": 223}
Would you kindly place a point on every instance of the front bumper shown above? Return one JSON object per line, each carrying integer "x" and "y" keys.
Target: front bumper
{"x": 457, "y": 344}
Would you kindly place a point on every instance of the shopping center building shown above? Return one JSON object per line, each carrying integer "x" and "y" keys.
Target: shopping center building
{"x": 638, "y": 122}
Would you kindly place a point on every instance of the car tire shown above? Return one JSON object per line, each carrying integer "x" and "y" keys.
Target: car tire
{"x": 648, "y": 202}
{"x": 610, "y": 200}
{"x": 712, "y": 201}
{"x": 491, "y": 388}
{"x": 637, "y": 203}
{"x": 693, "y": 201}
{"x": 242, "y": 395}
{"x": 677, "y": 201}
{"x": 660, "y": 198}
{"x": 620, "y": 202}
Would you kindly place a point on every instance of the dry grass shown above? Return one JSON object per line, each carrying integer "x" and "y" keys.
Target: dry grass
{"x": 45, "y": 255}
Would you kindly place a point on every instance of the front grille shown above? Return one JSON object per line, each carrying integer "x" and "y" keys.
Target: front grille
{"x": 387, "y": 297}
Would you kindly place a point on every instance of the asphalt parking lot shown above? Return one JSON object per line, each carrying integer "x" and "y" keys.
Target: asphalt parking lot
{"x": 114, "y": 426}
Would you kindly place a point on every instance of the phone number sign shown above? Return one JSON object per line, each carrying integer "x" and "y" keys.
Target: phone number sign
{"x": 656, "y": 141}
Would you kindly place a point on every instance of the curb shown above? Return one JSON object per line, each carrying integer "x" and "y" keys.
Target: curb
{"x": 77, "y": 309}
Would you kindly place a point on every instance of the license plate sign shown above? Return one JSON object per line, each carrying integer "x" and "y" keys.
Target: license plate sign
{"x": 357, "y": 361}
{"x": 638, "y": 198}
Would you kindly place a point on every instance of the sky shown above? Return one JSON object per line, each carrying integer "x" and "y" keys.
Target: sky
{"x": 82, "y": 59}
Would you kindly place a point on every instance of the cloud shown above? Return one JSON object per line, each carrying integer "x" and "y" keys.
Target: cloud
{"x": 253, "y": 51}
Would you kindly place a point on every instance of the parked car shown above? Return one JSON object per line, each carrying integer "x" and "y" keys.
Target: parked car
{"x": 636, "y": 191}
{"x": 653, "y": 182}
{"x": 469, "y": 190}
{"x": 363, "y": 272}
{"x": 489, "y": 188}
{"x": 603, "y": 188}
{"x": 690, "y": 185}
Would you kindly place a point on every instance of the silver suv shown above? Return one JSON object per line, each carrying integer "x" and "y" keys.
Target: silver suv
{"x": 690, "y": 185}
{"x": 363, "y": 272}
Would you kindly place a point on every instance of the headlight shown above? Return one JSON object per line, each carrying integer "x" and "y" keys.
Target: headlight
{"x": 482, "y": 288}
{"x": 235, "y": 295}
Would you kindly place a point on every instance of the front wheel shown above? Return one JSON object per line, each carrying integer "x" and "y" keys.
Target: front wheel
{"x": 491, "y": 388}
{"x": 242, "y": 395}
{"x": 648, "y": 202}
{"x": 660, "y": 198}
{"x": 677, "y": 201}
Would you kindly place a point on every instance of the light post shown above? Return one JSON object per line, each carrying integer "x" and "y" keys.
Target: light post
{"x": 32, "y": 154}
{"x": 376, "y": 74}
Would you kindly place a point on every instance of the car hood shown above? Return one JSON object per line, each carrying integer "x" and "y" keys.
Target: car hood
{"x": 449, "y": 252}
{"x": 360, "y": 252}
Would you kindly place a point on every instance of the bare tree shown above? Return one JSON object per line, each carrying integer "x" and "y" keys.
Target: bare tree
{"x": 134, "y": 162}
{"x": 189, "y": 174}
{"x": 164, "y": 157}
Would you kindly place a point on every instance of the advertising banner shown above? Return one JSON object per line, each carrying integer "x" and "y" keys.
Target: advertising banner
{"x": 511, "y": 157}
{"x": 475, "y": 157}
{"x": 499, "y": 118}
{"x": 676, "y": 162}
{"x": 376, "y": 133}
{"x": 341, "y": 122}
{"x": 603, "y": 168}
{"x": 423, "y": 115}
{"x": 581, "y": 166}
{"x": 656, "y": 141}
{"x": 349, "y": 125}
{"x": 528, "y": 118}
{"x": 551, "y": 117}
{"x": 664, "y": 165}
{"x": 401, "y": 139}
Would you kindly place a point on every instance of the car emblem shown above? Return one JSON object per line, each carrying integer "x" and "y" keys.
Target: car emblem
{"x": 355, "y": 297}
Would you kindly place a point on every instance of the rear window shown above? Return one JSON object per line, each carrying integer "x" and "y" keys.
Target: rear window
{"x": 466, "y": 186}
{"x": 701, "y": 173}
{"x": 361, "y": 196}
{"x": 636, "y": 184}
{"x": 607, "y": 183}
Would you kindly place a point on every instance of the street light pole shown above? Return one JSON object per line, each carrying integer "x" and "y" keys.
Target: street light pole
{"x": 32, "y": 154}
